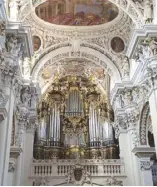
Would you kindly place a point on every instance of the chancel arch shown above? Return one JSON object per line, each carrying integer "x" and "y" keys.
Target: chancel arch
{"x": 86, "y": 53}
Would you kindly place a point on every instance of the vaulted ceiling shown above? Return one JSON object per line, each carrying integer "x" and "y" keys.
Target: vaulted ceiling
{"x": 72, "y": 41}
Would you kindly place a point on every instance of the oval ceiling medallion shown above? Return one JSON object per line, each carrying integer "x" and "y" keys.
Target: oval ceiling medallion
{"x": 117, "y": 45}
{"x": 77, "y": 12}
{"x": 36, "y": 43}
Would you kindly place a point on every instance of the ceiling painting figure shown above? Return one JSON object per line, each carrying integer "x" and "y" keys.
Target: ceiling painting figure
{"x": 78, "y": 12}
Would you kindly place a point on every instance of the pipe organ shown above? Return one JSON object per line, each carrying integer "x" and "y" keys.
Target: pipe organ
{"x": 75, "y": 122}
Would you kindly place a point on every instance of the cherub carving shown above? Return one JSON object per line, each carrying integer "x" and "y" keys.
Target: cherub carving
{"x": 11, "y": 44}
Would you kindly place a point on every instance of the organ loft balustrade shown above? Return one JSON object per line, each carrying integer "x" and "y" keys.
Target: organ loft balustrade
{"x": 61, "y": 167}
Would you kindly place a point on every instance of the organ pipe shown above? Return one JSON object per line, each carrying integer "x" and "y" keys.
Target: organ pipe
{"x": 74, "y": 104}
{"x": 90, "y": 124}
{"x": 98, "y": 131}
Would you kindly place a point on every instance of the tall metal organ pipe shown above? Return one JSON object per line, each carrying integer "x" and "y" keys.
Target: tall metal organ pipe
{"x": 74, "y": 104}
{"x": 107, "y": 132}
{"x": 98, "y": 130}
{"x": 41, "y": 131}
{"x": 53, "y": 132}
{"x": 93, "y": 124}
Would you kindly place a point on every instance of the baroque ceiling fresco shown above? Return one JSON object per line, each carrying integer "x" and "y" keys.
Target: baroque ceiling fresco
{"x": 77, "y": 12}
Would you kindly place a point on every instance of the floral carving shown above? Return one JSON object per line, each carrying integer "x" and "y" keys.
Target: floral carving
{"x": 143, "y": 124}
{"x": 112, "y": 181}
{"x": 146, "y": 165}
{"x": 41, "y": 181}
{"x": 2, "y": 27}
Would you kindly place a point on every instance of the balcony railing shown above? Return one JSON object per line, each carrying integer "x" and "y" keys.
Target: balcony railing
{"x": 61, "y": 167}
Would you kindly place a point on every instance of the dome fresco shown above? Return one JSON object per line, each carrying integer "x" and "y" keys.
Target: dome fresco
{"x": 77, "y": 12}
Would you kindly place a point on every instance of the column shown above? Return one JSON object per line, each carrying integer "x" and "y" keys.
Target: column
{"x": 153, "y": 95}
{"x": 14, "y": 155}
{"x": 11, "y": 173}
{"x": 126, "y": 128}
{"x": 5, "y": 132}
{"x": 10, "y": 82}
{"x": 144, "y": 155}
{"x": 22, "y": 121}
{"x": 146, "y": 172}
{"x": 28, "y": 153}
{"x": 130, "y": 162}
{"x": 125, "y": 154}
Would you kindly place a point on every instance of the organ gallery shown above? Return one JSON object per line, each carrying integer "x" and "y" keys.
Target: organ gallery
{"x": 75, "y": 121}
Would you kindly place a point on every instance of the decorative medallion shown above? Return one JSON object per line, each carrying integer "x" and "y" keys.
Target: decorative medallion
{"x": 117, "y": 45}
{"x": 78, "y": 174}
{"x": 36, "y": 43}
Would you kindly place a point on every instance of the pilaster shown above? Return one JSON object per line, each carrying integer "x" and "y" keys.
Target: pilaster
{"x": 126, "y": 125}
{"x": 144, "y": 155}
{"x": 14, "y": 45}
{"x": 143, "y": 48}
{"x": 29, "y": 93}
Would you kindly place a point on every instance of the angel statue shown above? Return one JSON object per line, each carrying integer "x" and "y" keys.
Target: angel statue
{"x": 125, "y": 68}
{"x": 153, "y": 46}
{"x": 14, "y": 9}
{"x": 146, "y": 6}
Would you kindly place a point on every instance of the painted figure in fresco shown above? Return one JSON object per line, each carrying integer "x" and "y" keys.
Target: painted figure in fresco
{"x": 77, "y": 13}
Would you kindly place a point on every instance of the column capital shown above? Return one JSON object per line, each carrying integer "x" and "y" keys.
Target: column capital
{"x": 150, "y": 75}
{"x": 14, "y": 153}
{"x": 9, "y": 68}
{"x": 17, "y": 45}
{"x": 33, "y": 122}
{"x": 146, "y": 165}
{"x": 127, "y": 122}
{"x": 22, "y": 115}
{"x": 127, "y": 110}
{"x": 136, "y": 49}
{"x": 129, "y": 96}
{"x": 12, "y": 164}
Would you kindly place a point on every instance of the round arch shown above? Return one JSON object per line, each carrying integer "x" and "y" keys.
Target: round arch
{"x": 143, "y": 124}
{"x": 100, "y": 59}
